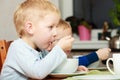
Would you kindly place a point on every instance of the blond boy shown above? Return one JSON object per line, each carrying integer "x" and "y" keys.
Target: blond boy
{"x": 35, "y": 22}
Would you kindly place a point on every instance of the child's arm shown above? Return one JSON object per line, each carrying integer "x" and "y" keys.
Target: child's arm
{"x": 88, "y": 59}
{"x": 101, "y": 54}
{"x": 30, "y": 64}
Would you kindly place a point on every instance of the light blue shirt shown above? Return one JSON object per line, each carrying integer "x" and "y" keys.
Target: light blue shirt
{"x": 23, "y": 61}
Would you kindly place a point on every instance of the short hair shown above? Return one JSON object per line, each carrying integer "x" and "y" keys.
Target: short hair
{"x": 63, "y": 27}
{"x": 32, "y": 10}
{"x": 63, "y": 24}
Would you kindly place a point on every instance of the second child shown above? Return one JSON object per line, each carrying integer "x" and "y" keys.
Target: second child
{"x": 35, "y": 22}
{"x": 64, "y": 29}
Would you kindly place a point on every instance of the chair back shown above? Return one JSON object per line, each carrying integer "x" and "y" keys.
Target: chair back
{"x": 4, "y": 45}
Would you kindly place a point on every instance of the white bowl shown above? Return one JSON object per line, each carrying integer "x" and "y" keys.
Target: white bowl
{"x": 68, "y": 66}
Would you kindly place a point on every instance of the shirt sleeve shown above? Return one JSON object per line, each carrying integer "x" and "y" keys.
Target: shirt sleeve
{"x": 88, "y": 59}
{"x": 46, "y": 65}
{"x": 30, "y": 65}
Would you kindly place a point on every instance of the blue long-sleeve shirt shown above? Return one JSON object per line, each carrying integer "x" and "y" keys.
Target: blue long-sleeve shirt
{"x": 88, "y": 59}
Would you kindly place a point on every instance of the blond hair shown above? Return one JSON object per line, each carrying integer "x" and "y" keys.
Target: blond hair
{"x": 32, "y": 10}
{"x": 63, "y": 29}
{"x": 64, "y": 24}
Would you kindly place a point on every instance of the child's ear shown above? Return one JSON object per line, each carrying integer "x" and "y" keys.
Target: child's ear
{"x": 29, "y": 27}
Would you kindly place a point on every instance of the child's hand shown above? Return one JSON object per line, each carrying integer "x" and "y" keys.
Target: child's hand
{"x": 82, "y": 68}
{"x": 103, "y": 53}
{"x": 66, "y": 43}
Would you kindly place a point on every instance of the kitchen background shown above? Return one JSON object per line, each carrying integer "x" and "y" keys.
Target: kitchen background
{"x": 95, "y": 11}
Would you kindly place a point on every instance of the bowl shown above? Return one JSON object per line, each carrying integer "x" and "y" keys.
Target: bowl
{"x": 69, "y": 65}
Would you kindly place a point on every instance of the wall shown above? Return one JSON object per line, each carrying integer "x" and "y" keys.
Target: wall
{"x": 7, "y": 30}
{"x": 66, "y": 8}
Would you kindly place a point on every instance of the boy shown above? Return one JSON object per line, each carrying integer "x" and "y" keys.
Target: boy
{"x": 64, "y": 29}
{"x": 35, "y": 22}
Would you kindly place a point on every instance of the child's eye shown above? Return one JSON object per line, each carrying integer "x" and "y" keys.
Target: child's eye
{"x": 50, "y": 27}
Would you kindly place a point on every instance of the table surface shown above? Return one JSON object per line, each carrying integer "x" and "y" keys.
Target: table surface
{"x": 91, "y": 72}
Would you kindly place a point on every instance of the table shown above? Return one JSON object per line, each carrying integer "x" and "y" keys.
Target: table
{"x": 92, "y": 73}
{"x": 96, "y": 73}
